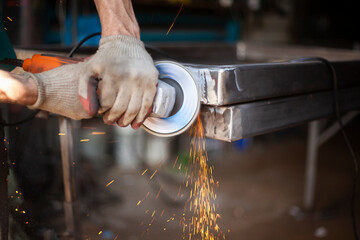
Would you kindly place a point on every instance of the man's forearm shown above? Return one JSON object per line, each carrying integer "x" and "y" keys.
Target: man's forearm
{"x": 16, "y": 88}
{"x": 117, "y": 17}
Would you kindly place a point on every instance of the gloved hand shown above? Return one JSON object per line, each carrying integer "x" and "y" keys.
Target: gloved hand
{"x": 58, "y": 91}
{"x": 127, "y": 80}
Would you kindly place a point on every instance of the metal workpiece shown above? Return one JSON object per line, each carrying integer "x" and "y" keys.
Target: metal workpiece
{"x": 231, "y": 123}
{"x": 232, "y": 84}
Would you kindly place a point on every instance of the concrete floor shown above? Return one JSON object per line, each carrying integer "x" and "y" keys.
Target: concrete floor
{"x": 259, "y": 194}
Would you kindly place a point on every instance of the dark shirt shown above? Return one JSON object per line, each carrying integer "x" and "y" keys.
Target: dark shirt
{"x": 6, "y": 49}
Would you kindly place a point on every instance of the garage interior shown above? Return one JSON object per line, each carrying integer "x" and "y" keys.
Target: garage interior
{"x": 283, "y": 171}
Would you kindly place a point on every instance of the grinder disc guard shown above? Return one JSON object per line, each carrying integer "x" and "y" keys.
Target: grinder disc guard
{"x": 182, "y": 119}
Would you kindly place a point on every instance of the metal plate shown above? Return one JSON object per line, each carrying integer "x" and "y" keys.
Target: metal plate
{"x": 232, "y": 84}
{"x": 230, "y": 123}
{"x": 181, "y": 120}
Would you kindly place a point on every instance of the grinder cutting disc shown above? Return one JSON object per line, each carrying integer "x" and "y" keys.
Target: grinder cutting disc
{"x": 187, "y": 103}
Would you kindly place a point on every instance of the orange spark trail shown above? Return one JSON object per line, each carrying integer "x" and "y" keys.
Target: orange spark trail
{"x": 182, "y": 4}
{"x": 97, "y": 133}
{"x": 109, "y": 183}
{"x": 144, "y": 172}
{"x": 153, "y": 174}
{"x": 201, "y": 224}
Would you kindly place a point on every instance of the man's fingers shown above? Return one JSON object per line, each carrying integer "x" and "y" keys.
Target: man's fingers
{"x": 118, "y": 108}
{"x": 135, "y": 124}
{"x": 108, "y": 93}
{"x": 146, "y": 109}
{"x": 133, "y": 109}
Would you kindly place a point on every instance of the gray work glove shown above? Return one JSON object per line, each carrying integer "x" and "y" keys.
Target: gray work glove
{"x": 58, "y": 91}
{"x": 127, "y": 80}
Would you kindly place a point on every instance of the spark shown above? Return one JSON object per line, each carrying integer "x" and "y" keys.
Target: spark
{"x": 175, "y": 161}
{"x": 158, "y": 194}
{"x": 138, "y": 203}
{"x": 153, "y": 174}
{"x": 100, "y": 233}
{"x": 109, "y": 183}
{"x": 144, "y": 172}
{"x": 62, "y": 134}
{"x": 179, "y": 191}
{"x": 9, "y": 19}
{"x": 85, "y": 140}
{"x": 182, "y": 4}
{"x": 116, "y": 237}
{"x": 97, "y": 133}
{"x": 152, "y": 215}
{"x": 91, "y": 128}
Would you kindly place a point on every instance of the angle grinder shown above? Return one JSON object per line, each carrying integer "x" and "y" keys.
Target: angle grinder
{"x": 183, "y": 112}
{"x": 176, "y": 104}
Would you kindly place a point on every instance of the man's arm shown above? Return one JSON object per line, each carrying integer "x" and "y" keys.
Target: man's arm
{"x": 54, "y": 91}
{"x": 18, "y": 89}
{"x": 117, "y": 17}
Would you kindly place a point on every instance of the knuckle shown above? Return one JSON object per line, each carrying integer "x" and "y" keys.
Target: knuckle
{"x": 107, "y": 121}
{"x": 130, "y": 115}
{"x": 141, "y": 116}
{"x": 147, "y": 102}
{"x": 131, "y": 112}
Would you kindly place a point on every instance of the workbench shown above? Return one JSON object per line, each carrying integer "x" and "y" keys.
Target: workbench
{"x": 242, "y": 100}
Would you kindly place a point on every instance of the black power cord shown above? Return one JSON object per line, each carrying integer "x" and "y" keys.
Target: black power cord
{"x": 147, "y": 46}
{"x": 79, "y": 44}
{"x": 342, "y": 129}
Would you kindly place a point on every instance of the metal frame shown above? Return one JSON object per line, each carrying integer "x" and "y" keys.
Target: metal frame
{"x": 232, "y": 84}
{"x": 231, "y": 123}
{"x": 258, "y": 98}
{"x": 316, "y": 138}
{"x": 69, "y": 156}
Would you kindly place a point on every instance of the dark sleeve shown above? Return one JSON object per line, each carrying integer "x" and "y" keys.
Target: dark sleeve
{"x": 6, "y": 49}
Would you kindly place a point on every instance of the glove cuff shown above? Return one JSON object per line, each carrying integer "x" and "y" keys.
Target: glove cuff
{"x": 57, "y": 92}
{"x": 41, "y": 91}
{"x": 125, "y": 39}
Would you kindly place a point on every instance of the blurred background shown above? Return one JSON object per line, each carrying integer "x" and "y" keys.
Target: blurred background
{"x": 261, "y": 179}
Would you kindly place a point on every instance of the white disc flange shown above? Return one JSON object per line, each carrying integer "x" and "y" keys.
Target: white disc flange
{"x": 185, "y": 116}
